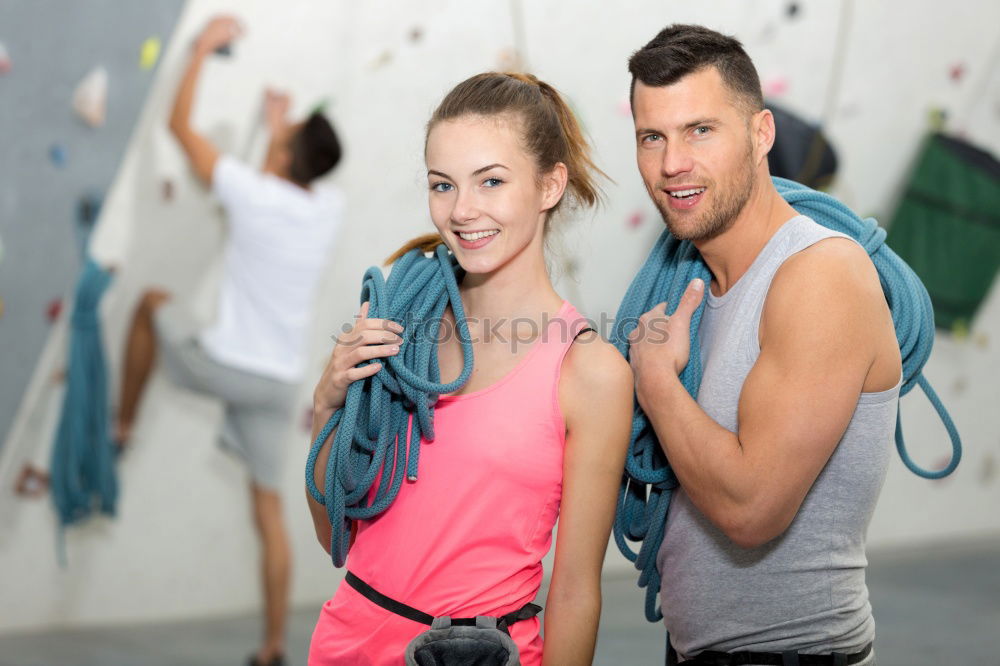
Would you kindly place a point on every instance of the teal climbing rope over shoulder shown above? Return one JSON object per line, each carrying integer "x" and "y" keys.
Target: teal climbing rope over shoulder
{"x": 371, "y": 427}
{"x": 648, "y": 482}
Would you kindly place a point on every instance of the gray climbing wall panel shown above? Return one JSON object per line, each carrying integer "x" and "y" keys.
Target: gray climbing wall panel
{"x": 50, "y": 159}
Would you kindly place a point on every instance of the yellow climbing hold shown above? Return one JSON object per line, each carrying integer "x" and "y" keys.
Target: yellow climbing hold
{"x": 149, "y": 53}
{"x": 960, "y": 330}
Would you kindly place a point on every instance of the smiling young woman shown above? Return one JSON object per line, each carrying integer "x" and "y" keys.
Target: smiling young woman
{"x": 538, "y": 432}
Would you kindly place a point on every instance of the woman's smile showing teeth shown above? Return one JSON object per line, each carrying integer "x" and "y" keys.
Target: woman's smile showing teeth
{"x": 471, "y": 240}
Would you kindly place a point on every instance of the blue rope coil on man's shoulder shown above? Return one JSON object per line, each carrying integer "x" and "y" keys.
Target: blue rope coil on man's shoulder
{"x": 648, "y": 482}
{"x": 372, "y": 425}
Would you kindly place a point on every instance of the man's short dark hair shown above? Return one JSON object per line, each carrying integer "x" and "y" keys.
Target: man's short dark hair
{"x": 315, "y": 150}
{"x": 679, "y": 50}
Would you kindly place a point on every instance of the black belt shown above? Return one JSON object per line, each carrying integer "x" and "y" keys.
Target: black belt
{"x": 791, "y": 658}
{"x": 409, "y": 612}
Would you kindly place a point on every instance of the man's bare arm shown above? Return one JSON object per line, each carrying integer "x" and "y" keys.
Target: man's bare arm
{"x": 199, "y": 150}
{"x": 817, "y": 348}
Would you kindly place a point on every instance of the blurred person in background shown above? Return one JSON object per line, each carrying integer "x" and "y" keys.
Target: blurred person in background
{"x": 252, "y": 357}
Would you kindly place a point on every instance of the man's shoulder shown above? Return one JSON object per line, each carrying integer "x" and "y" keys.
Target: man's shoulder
{"x": 833, "y": 268}
{"x": 829, "y": 293}
{"x": 233, "y": 179}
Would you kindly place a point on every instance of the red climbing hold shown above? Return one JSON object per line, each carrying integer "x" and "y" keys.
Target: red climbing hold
{"x": 53, "y": 309}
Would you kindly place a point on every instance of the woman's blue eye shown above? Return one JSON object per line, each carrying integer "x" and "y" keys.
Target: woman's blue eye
{"x": 441, "y": 187}
{"x": 492, "y": 182}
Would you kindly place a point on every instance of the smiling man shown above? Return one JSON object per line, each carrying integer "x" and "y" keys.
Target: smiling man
{"x": 782, "y": 456}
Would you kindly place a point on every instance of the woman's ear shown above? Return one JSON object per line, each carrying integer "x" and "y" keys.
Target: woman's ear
{"x": 553, "y": 185}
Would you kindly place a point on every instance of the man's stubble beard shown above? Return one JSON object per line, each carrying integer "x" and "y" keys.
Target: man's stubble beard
{"x": 718, "y": 219}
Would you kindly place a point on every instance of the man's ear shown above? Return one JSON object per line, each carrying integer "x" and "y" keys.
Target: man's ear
{"x": 287, "y": 152}
{"x": 762, "y": 134}
{"x": 553, "y": 185}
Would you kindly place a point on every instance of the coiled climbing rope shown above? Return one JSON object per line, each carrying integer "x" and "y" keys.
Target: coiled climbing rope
{"x": 648, "y": 482}
{"x": 370, "y": 443}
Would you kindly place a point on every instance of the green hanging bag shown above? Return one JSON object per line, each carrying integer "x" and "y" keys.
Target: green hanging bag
{"x": 947, "y": 226}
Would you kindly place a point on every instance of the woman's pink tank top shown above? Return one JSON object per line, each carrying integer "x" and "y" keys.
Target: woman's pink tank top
{"x": 467, "y": 538}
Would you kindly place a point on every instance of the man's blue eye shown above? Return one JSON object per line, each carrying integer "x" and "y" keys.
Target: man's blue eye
{"x": 650, "y": 137}
{"x": 699, "y": 132}
{"x": 441, "y": 187}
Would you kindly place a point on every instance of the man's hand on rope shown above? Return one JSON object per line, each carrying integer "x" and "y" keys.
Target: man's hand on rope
{"x": 661, "y": 343}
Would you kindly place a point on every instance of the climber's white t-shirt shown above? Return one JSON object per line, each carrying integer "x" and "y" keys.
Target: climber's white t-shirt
{"x": 279, "y": 241}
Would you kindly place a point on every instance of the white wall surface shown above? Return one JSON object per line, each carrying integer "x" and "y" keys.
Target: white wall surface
{"x": 182, "y": 544}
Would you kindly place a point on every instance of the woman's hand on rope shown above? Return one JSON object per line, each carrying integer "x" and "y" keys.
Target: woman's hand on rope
{"x": 368, "y": 339}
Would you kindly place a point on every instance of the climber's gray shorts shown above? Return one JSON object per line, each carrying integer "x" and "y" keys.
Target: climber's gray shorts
{"x": 258, "y": 409}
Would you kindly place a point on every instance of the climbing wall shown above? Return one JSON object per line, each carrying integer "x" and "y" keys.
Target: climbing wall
{"x": 57, "y": 164}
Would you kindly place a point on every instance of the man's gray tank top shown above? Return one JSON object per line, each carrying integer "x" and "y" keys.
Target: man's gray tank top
{"x": 804, "y": 590}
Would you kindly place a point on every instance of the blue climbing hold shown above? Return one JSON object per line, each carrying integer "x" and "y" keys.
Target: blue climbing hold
{"x": 58, "y": 155}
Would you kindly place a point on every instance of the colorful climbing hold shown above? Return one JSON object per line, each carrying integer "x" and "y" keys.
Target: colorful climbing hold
{"x": 320, "y": 106}
{"x": 989, "y": 469}
{"x": 509, "y": 60}
{"x": 960, "y": 330}
{"x": 776, "y": 86}
{"x": 149, "y": 53}
{"x": 572, "y": 268}
{"x": 87, "y": 209}
{"x": 90, "y": 97}
{"x": 382, "y": 60}
{"x": 224, "y": 50}
{"x": 636, "y": 219}
{"x": 767, "y": 32}
{"x": 5, "y": 63}
{"x": 941, "y": 463}
{"x": 31, "y": 482}
{"x": 307, "y": 420}
{"x": 792, "y": 10}
{"x": 416, "y": 34}
{"x": 167, "y": 190}
{"x": 936, "y": 119}
{"x": 53, "y": 310}
{"x": 58, "y": 155}
{"x": 956, "y": 72}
